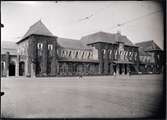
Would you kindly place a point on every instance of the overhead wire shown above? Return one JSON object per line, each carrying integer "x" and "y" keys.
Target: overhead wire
{"x": 95, "y": 13}
{"x": 89, "y": 16}
{"x": 129, "y": 21}
{"x": 133, "y": 20}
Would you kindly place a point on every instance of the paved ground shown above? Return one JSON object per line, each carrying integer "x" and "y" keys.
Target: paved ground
{"x": 107, "y": 96}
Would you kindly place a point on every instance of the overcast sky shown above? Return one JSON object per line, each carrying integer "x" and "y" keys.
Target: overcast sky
{"x": 79, "y": 18}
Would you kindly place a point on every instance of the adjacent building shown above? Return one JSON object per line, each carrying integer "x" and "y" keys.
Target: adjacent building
{"x": 40, "y": 53}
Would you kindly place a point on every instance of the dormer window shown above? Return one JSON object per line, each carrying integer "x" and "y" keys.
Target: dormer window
{"x": 76, "y": 54}
{"x": 69, "y": 53}
{"x": 89, "y": 55}
{"x": 39, "y": 45}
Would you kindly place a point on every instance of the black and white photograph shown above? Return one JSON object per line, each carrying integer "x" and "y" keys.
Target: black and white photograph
{"x": 82, "y": 59}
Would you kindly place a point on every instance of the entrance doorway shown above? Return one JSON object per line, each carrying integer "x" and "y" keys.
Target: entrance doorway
{"x": 120, "y": 69}
{"x": 21, "y": 69}
{"x": 125, "y": 69}
{"x": 12, "y": 69}
{"x": 114, "y": 68}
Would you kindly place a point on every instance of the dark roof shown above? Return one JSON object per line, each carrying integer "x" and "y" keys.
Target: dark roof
{"x": 71, "y": 43}
{"x": 38, "y": 29}
{"x": 8, "y": 46}
{"x": 142, "y": 52}
{"x": 105, "y": 37}
{"x": 148, "y": 45}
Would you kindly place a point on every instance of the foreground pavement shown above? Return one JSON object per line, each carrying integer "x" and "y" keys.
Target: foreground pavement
{"x": 64, "y": 97}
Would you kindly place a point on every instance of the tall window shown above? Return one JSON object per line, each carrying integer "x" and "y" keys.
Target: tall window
{"x": 40, "y": 47}
{"x": 50, "y": 48}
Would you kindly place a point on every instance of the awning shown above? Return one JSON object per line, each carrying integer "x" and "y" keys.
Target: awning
{"x": 123, "y": 62}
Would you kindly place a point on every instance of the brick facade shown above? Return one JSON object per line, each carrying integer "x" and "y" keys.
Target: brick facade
{"x": 46, "y": 55}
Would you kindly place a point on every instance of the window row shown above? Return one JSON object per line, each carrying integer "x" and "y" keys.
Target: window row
{"x": 40, "y": 46}
{"x": 124, "y": 55}
{"x": 78, "y": 54}
{"x": 147, "y": 59}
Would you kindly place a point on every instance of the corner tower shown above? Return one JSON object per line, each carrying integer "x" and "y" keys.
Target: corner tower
{"x": 37, "y": 52}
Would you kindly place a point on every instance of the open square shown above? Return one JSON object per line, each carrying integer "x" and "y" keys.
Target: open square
{"x": 94, "y": 96}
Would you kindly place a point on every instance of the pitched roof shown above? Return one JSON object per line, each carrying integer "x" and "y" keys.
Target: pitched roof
{"x": 148, "y": 45}
{"x": 105, "y": 37}
{"x": 71, "y": 43}
{"x": 8, "y": 46}
{"x": 37, "y": 28}
{"x": 142, "y": 52}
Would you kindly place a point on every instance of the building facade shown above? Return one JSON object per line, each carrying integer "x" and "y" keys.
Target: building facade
{"x": 40, "y": 53}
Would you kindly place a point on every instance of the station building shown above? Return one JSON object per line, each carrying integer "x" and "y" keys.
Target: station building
{"x": 40, "y": 53}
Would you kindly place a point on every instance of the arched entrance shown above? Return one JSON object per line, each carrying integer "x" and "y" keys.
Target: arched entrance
{"x": 12, "y": 68}
{"x": 21, "y": 68}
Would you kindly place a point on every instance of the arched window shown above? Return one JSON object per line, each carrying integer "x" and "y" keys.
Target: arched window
{"x": 50, "y": 47}
{"x": 39, "y": 45}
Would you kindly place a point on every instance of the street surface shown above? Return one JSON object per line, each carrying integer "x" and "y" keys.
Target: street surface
{"x": 93, "y": 96}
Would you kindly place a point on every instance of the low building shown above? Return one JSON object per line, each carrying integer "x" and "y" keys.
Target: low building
{"x": 151, "y": 57}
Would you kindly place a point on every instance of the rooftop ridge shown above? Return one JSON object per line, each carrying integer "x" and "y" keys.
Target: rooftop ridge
{"x": 145, "y": 41}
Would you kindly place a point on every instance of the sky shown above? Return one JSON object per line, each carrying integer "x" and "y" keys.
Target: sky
{"x": 75, "y": 19}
